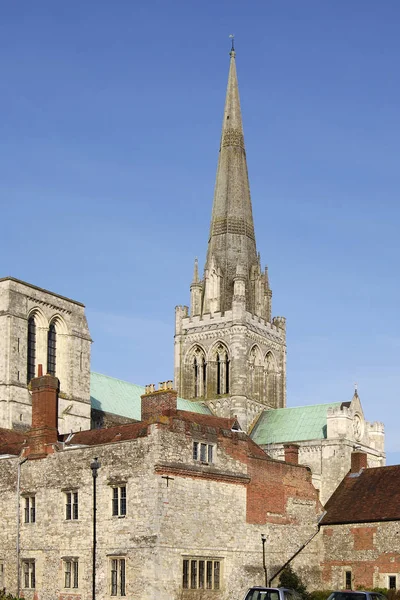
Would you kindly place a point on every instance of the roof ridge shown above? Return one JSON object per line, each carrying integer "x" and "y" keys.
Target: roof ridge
{"x": 305, "y": 406}
{"x": 116, "y": 379}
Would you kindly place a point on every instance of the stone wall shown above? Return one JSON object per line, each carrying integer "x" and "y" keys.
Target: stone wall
{"x": 18, "y": 302}
{"x": 370, "y": 551}
{"x": 177, "y": 508}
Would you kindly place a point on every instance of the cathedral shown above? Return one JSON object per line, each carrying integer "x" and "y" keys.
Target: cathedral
{"x": 191, "y": 476}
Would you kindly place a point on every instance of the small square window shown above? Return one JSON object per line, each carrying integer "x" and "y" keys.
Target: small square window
{"x": 203, "y": 452}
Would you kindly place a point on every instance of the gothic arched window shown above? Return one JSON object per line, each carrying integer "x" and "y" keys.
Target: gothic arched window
{"x": 222, "y": 370}
{"x": 51, "y": 350}
{"x": 31, "y": 356}
{"x": 199, "y": 373}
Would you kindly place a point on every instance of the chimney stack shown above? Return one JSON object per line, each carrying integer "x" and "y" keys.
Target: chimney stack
{"x": 291, "y": 453}
{"x": 44, "y": 432}
{"x": 358, "y": 461}
{"x": 155, "y": 402}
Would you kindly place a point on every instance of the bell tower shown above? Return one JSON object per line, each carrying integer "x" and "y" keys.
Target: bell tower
{"x": 229, "y": 352}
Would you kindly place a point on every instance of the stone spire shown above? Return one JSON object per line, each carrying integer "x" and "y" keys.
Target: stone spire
{"x": 232, "y": 239}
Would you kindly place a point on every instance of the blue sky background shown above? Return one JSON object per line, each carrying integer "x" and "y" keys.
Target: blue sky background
{"x": 109, "y": 131}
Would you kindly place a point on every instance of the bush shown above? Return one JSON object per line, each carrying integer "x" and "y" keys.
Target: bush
{"x": 5, "y": 596}
{"x": 288, "y": 578}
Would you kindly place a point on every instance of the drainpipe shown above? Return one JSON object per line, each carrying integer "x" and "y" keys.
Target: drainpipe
{"x": 95, "y": 465}
{"x": 20, "y": 463}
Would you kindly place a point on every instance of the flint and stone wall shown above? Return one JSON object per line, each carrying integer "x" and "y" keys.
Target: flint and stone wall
{"x": 216, "y": 511}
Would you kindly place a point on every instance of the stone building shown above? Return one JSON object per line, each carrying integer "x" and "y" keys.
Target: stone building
{"x": 229, "y": 351}
{"x": 360, "y": 532}
{"x": 182, "y": 500}
{"x": 41, "y": 327}
{"x": 326, "y": 435}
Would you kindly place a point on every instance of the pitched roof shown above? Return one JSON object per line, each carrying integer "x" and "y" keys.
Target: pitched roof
{"x": 292, "y": 424}
{"x": 11, "y": 442}
{"x": 371, "y": 495}
{"x": 119, "y": 433}
{"x": 122, "y": 398}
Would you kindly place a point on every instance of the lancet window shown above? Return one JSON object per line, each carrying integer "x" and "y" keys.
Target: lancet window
{"x": 256, "y": 374}
{"x": 271, "y": 380}
{"x": 31, "y": 357}
{"x": 199, "y": 373}
{"x": 52, "y": 350}
{"x": 222, "y": 370}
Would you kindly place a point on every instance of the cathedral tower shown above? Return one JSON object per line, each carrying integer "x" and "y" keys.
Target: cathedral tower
{"x": 228, "y": 351}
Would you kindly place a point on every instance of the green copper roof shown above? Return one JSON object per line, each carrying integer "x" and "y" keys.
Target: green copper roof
{"x": 292, "y": 424}
{"x": 123, "y": 398}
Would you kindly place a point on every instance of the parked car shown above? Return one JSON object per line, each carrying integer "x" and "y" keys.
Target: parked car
{"x": 356, "y": 595}
{"x": 264, "y": 593}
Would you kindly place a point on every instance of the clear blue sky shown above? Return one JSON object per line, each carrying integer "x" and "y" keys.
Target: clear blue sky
{"x": 110, "y": 123}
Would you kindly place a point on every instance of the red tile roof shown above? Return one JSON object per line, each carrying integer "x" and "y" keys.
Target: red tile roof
{"x": 11, "y": 441}
{"x": 371, "y": 495}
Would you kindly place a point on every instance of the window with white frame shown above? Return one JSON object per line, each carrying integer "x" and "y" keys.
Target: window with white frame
{"x": 71, "y": 506}
{"x": 71, "y": 573}
{"x": 117, "y": 577}
{"x": 203, "y": 452}
{"x": 119, "y": 501}
{"x": 201, "y": 573}
{"x": 30, "y": 509}
{"x": 392, "y": 583}
{"x": 28, "y": 571}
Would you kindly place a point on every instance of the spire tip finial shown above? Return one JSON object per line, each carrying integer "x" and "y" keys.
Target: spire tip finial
{"x": 232, "y": 38}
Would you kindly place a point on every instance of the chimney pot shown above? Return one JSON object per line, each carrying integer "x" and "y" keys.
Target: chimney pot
{"x": 155, "y": 402}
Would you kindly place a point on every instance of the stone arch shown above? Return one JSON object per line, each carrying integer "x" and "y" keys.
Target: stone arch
{"x": 196, "y": 371}
{"x": 36, "y": 342}
{"x": 58, "y": 349}
{"x": 256, "y": 373}
{"x": 219, "y": 359}
{"x": 271, "y": 380}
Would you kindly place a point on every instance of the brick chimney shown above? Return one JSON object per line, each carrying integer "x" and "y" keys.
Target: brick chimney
{"x": 44, "y": 432}
{"x": 155, "y": 402}
{"x": 291, "y": 453}
{"x": 358, "y": 461}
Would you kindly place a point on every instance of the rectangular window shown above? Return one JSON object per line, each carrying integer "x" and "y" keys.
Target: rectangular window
{"x": 203, "y": 452}
{"x": 201, "y": 573}
{"x": 28, "y": 568}
{"x": 30, "y": 509}
{"x": 117, "y": 577}
{"x": 348, "y": 582}
{"x": 71, "y": 573}
{"x": 2, "y": 586}
{"x": 71, "y": 506}
{"x": 119, "y": 501}
{"x": 392, "y": 582}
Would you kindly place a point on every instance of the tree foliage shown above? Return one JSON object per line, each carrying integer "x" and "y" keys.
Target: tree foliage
{"x": 288, "y": 578}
